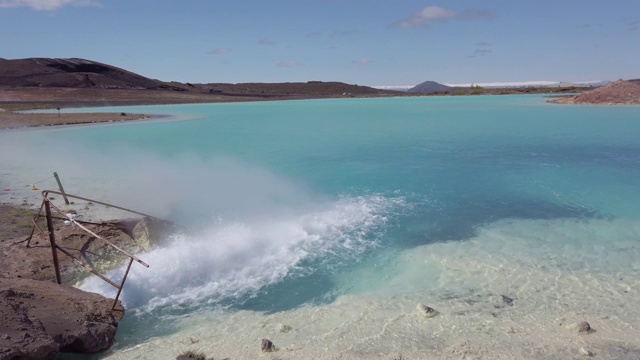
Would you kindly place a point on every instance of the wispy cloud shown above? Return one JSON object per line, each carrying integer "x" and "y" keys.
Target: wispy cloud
{"x": 435, "y": 14}
{"x": 634, "y": 25}
{"x": 362, "y": 61}
{"x": 345, "y": 33}
{"x": 482, "y": 49}
{"x": 218, "y": 51}
{"x": 587, "y": 25}
{"x": 266, "y": 42}
{"x": 47, "y": 5}
{"x": 313, "y": 34}
{"x": 288, "y": 64}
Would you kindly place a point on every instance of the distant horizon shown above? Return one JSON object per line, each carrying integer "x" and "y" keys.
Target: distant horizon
{"x": 498, "y": 84}
{"x": 352, "y": 41}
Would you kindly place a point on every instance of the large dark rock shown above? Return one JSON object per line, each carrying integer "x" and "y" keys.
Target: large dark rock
{"x": 40, "y": 318}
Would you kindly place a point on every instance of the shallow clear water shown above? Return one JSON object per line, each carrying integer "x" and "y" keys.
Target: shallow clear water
{"x": 336, "y": 217}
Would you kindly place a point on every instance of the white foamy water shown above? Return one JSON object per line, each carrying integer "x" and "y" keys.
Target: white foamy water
{"x": 508, "y": 293}
{"x": 231, "y": 260}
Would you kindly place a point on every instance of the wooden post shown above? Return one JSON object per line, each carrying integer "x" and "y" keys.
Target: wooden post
{"x": 66, "y": 201}
{"x": 52, "y": 241}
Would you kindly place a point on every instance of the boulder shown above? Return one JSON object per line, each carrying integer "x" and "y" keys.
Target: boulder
{"x": 582, "y": 327}
{"x": 267, "y": 345}
{"x": 41, "y": 318}
{"x": 149, "y": 232}
{"x": 426, "y": 311}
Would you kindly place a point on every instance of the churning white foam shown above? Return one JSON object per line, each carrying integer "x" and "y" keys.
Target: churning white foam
{"x": 231, "y": 260}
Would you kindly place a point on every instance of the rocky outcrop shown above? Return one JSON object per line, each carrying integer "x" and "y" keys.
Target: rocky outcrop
{"x": 620, "y": 92}
{"x": 40, "y": 318}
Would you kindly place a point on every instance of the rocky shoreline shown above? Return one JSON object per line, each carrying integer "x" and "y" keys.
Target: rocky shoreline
{"x": 42, "y": 318}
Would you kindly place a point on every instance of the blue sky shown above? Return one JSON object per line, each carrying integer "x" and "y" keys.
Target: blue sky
{"x": 366, "y": 42}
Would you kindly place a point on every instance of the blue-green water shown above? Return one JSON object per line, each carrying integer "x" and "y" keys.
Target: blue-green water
{"x": 301, "y": 203}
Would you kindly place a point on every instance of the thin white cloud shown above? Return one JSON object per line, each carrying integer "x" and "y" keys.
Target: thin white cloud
{"x": 47, "y": 5}
{"x": 435, "y": 14}
{"x": 266, "y": 42}
{"x": 480, "y": 52}
{"x": 482, "y": 49}
{"x": 587, "y": 25}
{"x": 362, "y": 61}
{"x": 219, "y": 51}
{"x": 288, "y": 64}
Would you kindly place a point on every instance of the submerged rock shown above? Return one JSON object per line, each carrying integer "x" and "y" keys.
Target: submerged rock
{"x": 267, "y": 345}
{"x": 585, "y": 352}
{"x": 283, "y": 328}
{"x": 580, "y": 327}
{"x": 426, "y": 311}
{"x": 507, "y": 300}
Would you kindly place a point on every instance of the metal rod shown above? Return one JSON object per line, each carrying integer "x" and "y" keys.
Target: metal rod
{"x": 52, "y": 240}
{"x": 35, "y": 224}
{"x": 122, "y": 284}
{"x": 55, "y": 174}
{"x": 84, "y": 265}
{"x": 46, "y": 192}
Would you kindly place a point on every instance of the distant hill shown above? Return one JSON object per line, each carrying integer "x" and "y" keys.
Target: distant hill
{"x": 71, "y": 73}
{"x": 430, "y": 87}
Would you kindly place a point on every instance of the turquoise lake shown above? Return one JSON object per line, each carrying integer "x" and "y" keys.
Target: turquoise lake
{"x": 321, "y": 224}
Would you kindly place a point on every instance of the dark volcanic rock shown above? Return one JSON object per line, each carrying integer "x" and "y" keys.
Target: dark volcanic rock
{"x": 41, "y": 318}
{"x": 267, "y": 345}
{"x": 74, "y": 73}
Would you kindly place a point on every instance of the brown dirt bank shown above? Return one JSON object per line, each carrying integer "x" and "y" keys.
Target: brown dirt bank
{"x": 10, "y": 120}
{"x": 26, "y": 98}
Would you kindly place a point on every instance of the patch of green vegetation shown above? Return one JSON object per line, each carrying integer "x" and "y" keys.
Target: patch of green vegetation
{"x": 191, "y": 354}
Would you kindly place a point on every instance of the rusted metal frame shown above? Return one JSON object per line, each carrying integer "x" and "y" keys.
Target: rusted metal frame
{"x": 98, "y": 236}
{"x": 84, "y": 265}
{"x": 47, "y": 205}
{"x": 52, "y": 240}
{"x": 124, "y": 278}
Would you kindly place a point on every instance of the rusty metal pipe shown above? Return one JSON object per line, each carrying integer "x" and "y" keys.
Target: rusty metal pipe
{"x": 124, "y": 278}
{"x": 52, "y": 241}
